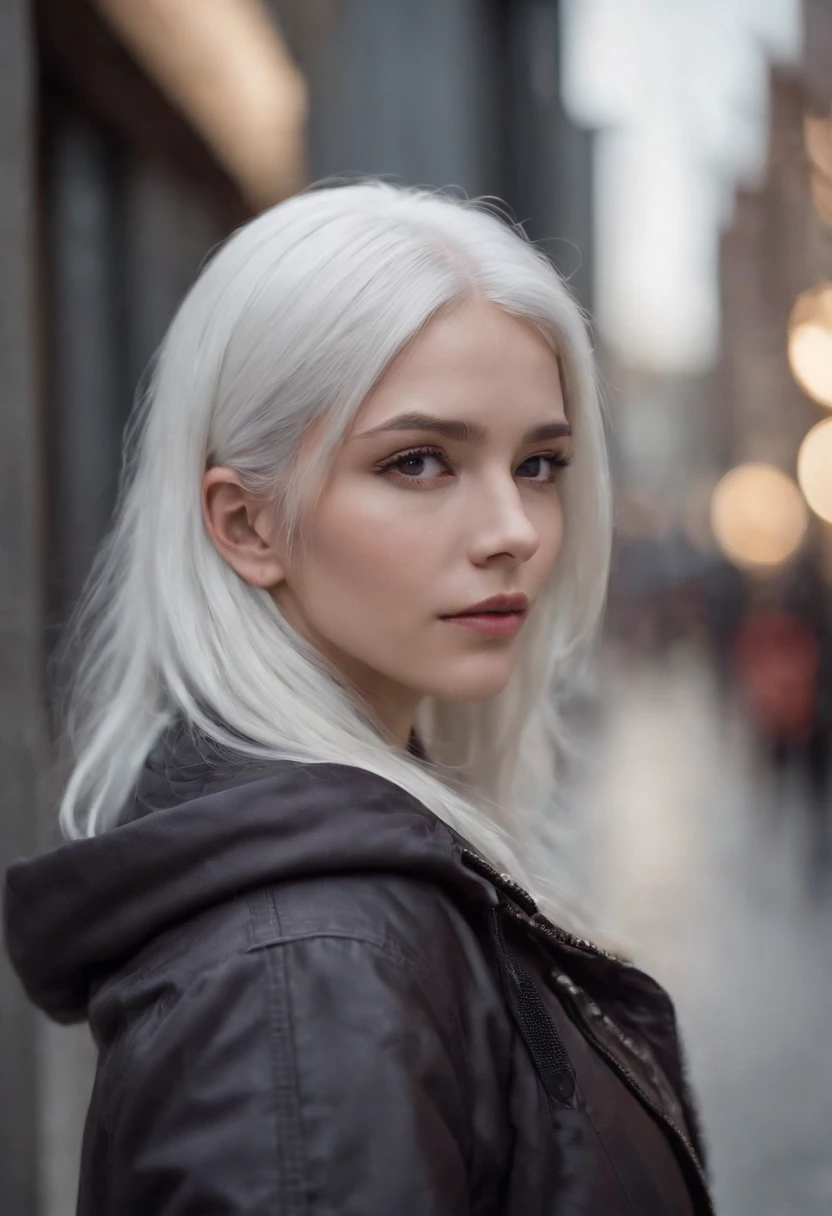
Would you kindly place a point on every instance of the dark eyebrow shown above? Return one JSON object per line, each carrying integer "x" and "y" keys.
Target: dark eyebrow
{"x": 464, "y": 432}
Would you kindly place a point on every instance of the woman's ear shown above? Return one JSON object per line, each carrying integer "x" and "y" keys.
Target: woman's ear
{"x": 241, "y": 528}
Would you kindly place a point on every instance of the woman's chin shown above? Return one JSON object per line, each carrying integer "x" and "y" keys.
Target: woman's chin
{"x": 473, "y": 685}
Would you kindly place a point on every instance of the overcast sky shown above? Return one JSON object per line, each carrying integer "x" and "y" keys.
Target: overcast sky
{"x": 677, "y": 90}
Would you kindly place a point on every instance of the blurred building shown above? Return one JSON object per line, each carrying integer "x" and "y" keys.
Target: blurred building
{"x": 776, "y": 276}
{"x": 775, "y": 247}
{"x": 133, "y": 139}
{"x": 677, "y": 436}
{"x": 776, "y": 250}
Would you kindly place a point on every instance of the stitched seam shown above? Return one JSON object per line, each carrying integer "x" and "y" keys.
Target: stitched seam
{"x": 393, "y": 952}
{"x": 613, "y": 1166}
{"x": 290, "y": 1174}
{"x": 274, "y": 914}
{"x": 407, "y": 964}
{"x": 155, "y": 1016}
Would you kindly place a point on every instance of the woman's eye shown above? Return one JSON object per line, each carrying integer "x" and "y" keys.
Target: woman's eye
{"x": 549, "y": 463}
{"x": 426, "y": 464}
{"x": 417, "y": 464}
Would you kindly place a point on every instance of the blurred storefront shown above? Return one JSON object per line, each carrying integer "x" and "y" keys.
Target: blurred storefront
{"x": 135, "y": 136}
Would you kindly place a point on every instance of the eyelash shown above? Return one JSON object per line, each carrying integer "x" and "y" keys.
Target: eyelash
{"x": 558, "y": 459}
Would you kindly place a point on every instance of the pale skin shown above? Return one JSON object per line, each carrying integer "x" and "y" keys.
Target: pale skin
{"x": 390, "y": 551}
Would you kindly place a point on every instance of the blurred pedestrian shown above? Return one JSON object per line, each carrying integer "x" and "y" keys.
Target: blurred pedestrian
{"x": 777, "y": 658}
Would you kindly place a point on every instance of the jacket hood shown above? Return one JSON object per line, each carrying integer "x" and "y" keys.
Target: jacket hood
{"x": 202, "y": 827}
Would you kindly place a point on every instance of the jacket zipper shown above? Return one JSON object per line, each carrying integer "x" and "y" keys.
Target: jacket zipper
{"x": 529, "y": 905}
{"x": 533, "y": 919}
{"x": 537, "y": 1028}
{"x": 630, "y": 1080}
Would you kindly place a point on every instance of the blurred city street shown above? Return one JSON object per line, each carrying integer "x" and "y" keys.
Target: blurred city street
{"x": 673, "y": 159}
{"x": 703, "y": 873}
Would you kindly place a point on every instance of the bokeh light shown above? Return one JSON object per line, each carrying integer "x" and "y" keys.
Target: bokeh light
{"x": 814, "y": 469}
{"x": 810, "y": 343}
{"x": 758, "y": 516}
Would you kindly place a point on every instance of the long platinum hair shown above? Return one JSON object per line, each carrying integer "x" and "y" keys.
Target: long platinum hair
{"x": 289, "y": 325}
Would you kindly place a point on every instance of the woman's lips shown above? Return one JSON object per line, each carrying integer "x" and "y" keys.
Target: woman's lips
{"x": 492, "y": 624}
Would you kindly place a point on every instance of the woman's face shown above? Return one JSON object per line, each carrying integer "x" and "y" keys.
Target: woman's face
{"x": 420, "y": 520}
{"x": 416, "y": 523}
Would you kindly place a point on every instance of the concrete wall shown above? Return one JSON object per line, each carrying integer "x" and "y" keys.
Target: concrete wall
{"x": 407, "y": 90}
{"x": 21, "y": 581}
{"x": 462, "y": 93}
{"x": 125, "y": 240}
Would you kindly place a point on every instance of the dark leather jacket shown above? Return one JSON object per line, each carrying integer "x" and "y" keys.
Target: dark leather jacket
{"x": 311, "y": 996}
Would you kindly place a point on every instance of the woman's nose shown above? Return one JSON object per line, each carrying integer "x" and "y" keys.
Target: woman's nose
{"x": 502, "y": 526}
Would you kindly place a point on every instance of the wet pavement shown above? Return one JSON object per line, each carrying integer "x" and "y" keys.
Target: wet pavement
{"x": 703, "y": 875}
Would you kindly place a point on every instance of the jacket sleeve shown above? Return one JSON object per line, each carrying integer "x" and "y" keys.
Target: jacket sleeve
{"x": 317, "y": 1075}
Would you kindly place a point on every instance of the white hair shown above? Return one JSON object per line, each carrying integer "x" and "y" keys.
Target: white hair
{"x": 293, "y": 321}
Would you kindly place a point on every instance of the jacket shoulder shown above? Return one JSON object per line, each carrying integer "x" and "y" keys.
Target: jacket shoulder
{"x": 401, "y": 910}
{"x": 272, "y": 1052}
{"x": 410, "y": 917}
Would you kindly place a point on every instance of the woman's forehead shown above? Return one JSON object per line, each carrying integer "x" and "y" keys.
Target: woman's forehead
{"x": 469, "y": 370}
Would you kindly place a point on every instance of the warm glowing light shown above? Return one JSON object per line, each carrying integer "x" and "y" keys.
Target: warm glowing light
{"x": 223, "y": 63}
{"x": 758, "y": 516}
{"x": 810, "y": 343}
{"x": 814, "y": 469}
{"x": 810, "y": 352}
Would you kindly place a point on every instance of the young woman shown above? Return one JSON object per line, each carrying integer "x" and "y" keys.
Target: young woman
{"x": 312, "y": 733}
